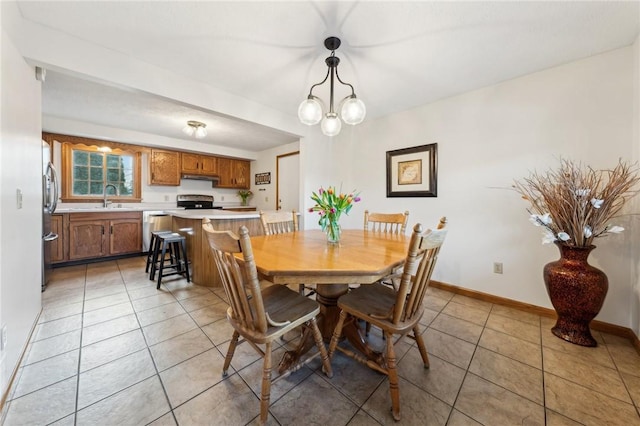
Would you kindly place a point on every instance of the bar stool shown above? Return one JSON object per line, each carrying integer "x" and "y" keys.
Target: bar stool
{"x": 177, "y": 260}
{"x": 153, "y": 247}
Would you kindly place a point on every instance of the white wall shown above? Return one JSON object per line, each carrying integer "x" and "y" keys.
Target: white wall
{"x": 20, "y": 229}
{"x": 486, "y": 139}
{"x": 264, "y": 196}
{"x": 635, "y": 228}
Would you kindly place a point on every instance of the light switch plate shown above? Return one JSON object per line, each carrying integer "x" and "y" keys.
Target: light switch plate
{"x": 19, "y": 198}
{"x": 3, "y": 338}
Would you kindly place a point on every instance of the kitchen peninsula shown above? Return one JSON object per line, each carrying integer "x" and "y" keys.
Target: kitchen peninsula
{"x": 189, "y": 224}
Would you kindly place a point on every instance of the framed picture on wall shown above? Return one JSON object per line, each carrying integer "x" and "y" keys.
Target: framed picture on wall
{"x": 413, "y": 172}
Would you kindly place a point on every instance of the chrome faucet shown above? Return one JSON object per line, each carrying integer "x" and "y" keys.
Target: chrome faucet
{"x": 105, "y": 202}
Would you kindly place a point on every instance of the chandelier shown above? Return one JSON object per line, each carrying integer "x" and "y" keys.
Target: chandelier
{"x": 352, "y": 109}
{"x": 195, "y": 128}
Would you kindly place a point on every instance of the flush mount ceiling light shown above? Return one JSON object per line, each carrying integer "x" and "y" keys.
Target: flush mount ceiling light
{"x": 195, "y": 128}
{"x": 352, "y": 109}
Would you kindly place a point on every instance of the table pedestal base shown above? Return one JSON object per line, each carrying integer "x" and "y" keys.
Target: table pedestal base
{"x": 327, "y": 296}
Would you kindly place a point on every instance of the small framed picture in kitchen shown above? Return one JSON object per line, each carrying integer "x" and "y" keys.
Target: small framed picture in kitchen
{"x": 413, "y": 172}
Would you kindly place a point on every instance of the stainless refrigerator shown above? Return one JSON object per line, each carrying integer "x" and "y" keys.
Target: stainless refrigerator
{"x": 49, "y": 202}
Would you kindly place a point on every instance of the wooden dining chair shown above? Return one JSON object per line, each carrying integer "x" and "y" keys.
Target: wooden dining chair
{"x": 396, "y": 312}
{"x": 260, "y": 314}
{"x": 395, "y": 223}
{"x": 278, "y": 222}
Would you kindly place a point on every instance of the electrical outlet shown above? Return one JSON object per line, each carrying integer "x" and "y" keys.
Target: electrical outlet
{"x": 166, "y": 198}
{"x": 266, "y": 199}
{"x": 222, "y": 198}
{"x": 19, "y": 198}
{"x": 497, "y": 267}
{"x": 3, "y": 340}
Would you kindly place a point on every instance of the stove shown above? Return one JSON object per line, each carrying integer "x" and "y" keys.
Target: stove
{"x": 195, "y": 201}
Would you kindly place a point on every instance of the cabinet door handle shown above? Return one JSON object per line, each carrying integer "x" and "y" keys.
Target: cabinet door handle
{"x": 102, "y": 229}
{"x": 111, "y": 230}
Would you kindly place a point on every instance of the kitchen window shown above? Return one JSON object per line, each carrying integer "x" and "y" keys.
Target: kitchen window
{"x": 87, "y": 169}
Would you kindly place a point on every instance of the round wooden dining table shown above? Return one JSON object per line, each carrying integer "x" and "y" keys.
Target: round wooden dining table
{"x": 305, "y": 257}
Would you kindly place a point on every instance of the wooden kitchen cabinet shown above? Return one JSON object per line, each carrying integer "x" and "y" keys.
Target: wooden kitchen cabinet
{"x": 164, "y": 167}
{"x": 241, "y": 209}
{"x": 95, "y": 235}
{"x": 242, "y": 173}
{"x": 57, "y": 246}
{"x": 234, "y": 173}
{"x": 196, "y": 164}
{"x": 86, "y": 239}
{"x": 125, "y": 236}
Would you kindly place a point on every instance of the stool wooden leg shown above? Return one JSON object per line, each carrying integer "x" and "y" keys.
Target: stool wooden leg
{"x": 160, "y": 271}
{"x": 154, "y": 259}
{"x": 175, "y": 260}
{"x": 150, "y": 254}
{"x": 186, "y": 260}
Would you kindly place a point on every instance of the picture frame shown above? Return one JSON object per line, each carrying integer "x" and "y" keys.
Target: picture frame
{"x": 413, "y": 172}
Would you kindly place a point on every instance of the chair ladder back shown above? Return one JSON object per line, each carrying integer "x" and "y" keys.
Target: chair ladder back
{"x": 278, "y": 222}
{"x": 394, "y": 223}
{"x": 240, "y": 281}
{"x": 421, "y": 260}
{"x": 420, "y": 284}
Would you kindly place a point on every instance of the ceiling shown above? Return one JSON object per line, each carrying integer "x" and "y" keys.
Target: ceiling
{"x": 398, "y": 55}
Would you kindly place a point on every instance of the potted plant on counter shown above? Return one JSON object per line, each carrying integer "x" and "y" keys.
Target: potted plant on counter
{"x": 244, "y": 195}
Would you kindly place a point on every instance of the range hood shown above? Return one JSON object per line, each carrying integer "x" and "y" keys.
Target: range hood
{"x": 213, "y": 179}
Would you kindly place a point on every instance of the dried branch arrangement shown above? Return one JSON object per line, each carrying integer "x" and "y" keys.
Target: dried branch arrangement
{"x": 575, "y": 204}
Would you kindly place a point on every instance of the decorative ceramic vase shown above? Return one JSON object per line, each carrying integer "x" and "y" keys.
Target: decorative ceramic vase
{"x": 333, "y": 232}
{"x": 577, "y": 291}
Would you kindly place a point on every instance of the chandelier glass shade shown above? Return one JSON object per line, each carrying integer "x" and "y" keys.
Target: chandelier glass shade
{"x": 312, "y": 110}
{"x": 195, "y": 128}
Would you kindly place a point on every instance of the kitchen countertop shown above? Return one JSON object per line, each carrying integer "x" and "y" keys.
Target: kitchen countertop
{"x": 214, "y": 214}
{"x": 98, "y": 210}
{"x": 138, "y": 208}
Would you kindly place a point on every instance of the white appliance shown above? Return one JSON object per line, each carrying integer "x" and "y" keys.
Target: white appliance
{"x": 49, "y": 203}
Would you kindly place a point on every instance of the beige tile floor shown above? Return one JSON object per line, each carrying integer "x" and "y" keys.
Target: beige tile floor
{"x": 110, "y": 349}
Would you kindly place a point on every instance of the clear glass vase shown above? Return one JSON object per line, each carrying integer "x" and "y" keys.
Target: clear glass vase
{"x": 333, "y": 232}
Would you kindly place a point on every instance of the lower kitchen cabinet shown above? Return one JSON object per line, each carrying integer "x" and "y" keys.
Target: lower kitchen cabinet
{"x": 86, "y": 239}
{"x": 95, "y": 235}
{"x": 125, "y": 236}
{"x": 57, "y": 246}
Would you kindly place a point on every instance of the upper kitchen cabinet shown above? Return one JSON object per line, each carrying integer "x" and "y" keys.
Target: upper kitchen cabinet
{"x": 164, "y": 167}
{"x": 234, "y": 173}
{"x": 196, "y": 164}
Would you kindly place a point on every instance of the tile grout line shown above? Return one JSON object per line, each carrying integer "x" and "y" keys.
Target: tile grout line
{"x": 144, "y": 337}
{"x": 544, "y": 389}
{"x": 624, "y": 383}
{"x": 466, "y": 372}
{"x": 84, "y": 292}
